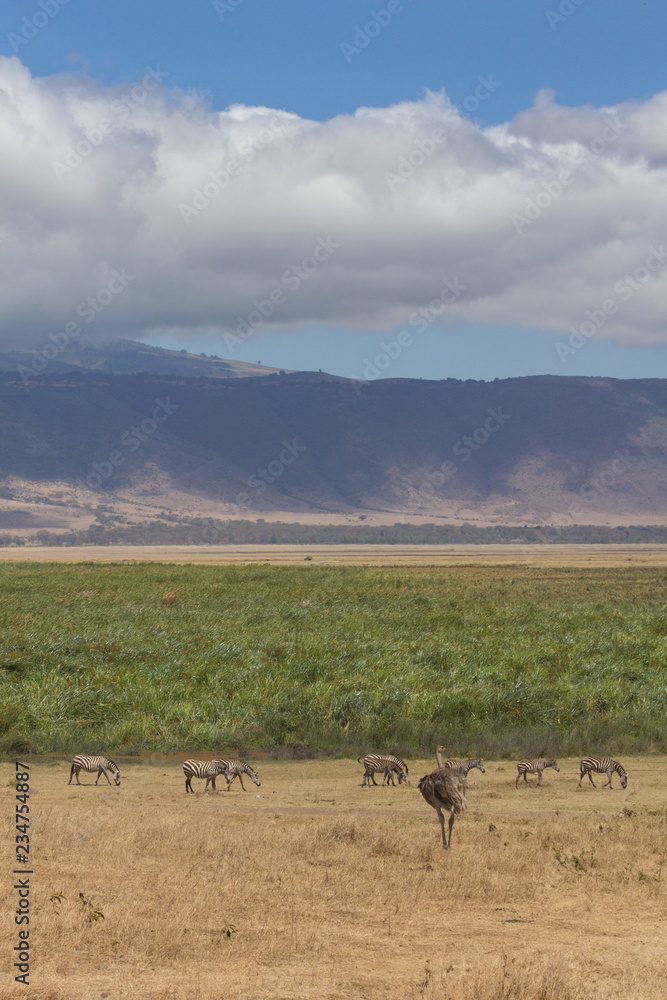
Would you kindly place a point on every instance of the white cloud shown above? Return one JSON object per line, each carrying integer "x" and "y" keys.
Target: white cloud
{"x": 407, "y": 209}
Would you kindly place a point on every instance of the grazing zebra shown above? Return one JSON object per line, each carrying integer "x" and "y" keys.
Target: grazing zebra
{"x": 100, "y": 764}
{"x": 465, "y": 765}
{"x": 602, "y": 765}
{"x": 392, "y": 769}
{"x": 386, "y": 763}
{"x": 532, "y": 767}
{"x": 236, "y": 768}
{"x": 208, "y": 769}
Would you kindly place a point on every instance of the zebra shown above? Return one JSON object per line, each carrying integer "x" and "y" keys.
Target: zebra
{"x": 236, "y": 768}
{"x": 602, "y": 765}
{"x": 100, "y": 764}
{"x": 386, "y": 763}
{"x": 465, "y": 765}
{"x": 392, "y": 769}
{"x": 532, "y": 767}
{"x": 208, "y": 769}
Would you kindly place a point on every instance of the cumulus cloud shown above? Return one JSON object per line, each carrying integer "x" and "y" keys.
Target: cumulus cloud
{"x": 211, "y": 216}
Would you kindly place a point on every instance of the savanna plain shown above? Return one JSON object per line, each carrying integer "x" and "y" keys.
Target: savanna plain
{"x": 310, "y": 885}
{"x": 313, "y": 887}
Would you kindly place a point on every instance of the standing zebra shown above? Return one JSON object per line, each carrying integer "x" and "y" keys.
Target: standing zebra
{"x": 534, "y": 767}
{"x": 386, "y": 763}
{"x": 602, "y": 765}
{"x": 208, "y": 769}
{"x": 100, "y": 764}
{"x": 236, "y": 768}
{"x": 465, "y": 765}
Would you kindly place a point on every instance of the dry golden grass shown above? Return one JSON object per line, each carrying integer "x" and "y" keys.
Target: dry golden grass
{"x": 312, "y": 887}
{"x": 361, "y": 555}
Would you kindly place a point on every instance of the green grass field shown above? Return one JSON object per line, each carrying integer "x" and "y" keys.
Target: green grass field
{"x": 496, "y": 661}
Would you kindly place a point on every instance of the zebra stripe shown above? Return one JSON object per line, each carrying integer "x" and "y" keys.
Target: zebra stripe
{"x": 200, "y": 769}
{"x": 388, "y": 764}
{"x": 534, "y": 767}
{"x": 100, "y": 764}
{"x": 236, "y": 768}
{"x": 602, "y": 765}
{"x": 465, "y": 765}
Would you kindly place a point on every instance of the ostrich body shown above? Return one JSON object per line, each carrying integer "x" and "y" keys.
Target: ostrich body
{"x": 444, "y": 789}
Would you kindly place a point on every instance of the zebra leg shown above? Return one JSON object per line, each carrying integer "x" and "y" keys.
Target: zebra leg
{"x": 212, "y": 780}
{"x": 516, "y": 785}
{"x": 71, "y": 772}
{"x": 104, "y": 772}
{"x": 608, "y": 781}
{"x": 373, "y": 778}
{"x": 188, "y": 785}
{"x": 590, "y": 778}
{"x": 539, "y": 778}
{"x": 580, "y": 777}
{"x": 241, "y": 780}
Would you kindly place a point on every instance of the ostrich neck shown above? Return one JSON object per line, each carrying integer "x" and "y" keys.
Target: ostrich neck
{"x": 438, "y": 757}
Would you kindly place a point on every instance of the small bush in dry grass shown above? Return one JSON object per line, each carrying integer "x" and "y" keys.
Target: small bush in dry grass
{"x": 509, "y": 979}
{"x": 548, "y": 981}
{"x": 341, "y": 831}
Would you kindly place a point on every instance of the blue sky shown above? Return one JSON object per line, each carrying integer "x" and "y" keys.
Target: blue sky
{"x": 318, "y": 61}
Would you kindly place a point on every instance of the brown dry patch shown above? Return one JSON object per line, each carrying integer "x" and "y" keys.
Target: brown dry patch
{"x": 336, "y": 891}
{"x": 170, "y": 597}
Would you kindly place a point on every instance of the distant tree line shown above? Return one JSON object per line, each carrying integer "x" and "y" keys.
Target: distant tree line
{"x": 199, "y": 531}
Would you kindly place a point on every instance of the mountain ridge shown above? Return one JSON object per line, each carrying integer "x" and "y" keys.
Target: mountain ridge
{"x": 536, "y": 449}
{"x": 126, "y": 357}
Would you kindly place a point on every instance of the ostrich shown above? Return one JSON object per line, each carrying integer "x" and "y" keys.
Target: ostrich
{"x": 444, "y": 789}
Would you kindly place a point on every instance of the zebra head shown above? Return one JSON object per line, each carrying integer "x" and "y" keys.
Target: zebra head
{"x": 116, "y": 775}
{"x": 253, "y": 776}
{"x": 478, "y": 763}
{"x": 403, "y": 776}
{"x": 624, "y": 780}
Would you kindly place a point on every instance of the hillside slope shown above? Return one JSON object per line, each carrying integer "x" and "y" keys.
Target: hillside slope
{"x": 130, "y": 357}
{"x": 515, "y": 451}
